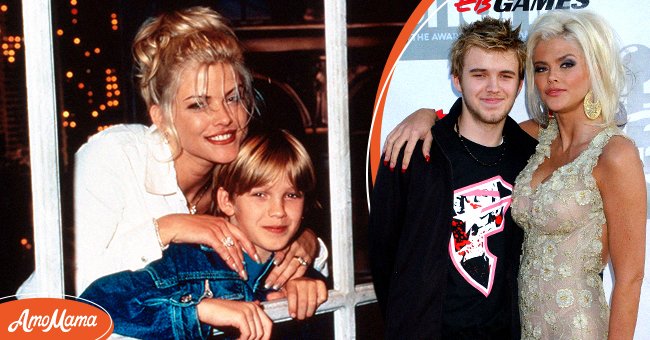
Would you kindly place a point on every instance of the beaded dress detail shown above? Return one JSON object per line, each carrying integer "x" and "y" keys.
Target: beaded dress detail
{"x": 561, "y": 294}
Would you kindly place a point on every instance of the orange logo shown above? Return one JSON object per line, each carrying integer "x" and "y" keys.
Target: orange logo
{"x": 52, "y": 318}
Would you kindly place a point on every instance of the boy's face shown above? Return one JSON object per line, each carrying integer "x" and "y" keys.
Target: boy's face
{"x": 268, "y": 215}
{"x": 489, "y": 84}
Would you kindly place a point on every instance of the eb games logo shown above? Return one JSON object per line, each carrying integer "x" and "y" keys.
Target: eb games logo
{"x": 53, "y": 318}
{"x": 480, "y": 6}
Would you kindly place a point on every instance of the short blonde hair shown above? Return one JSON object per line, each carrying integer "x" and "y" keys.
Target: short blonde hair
{"x": 172, "y": 42}
{"x": 488, "y": 34}
{"x": 262, "y": 159}
{"x": 599, "y": 44}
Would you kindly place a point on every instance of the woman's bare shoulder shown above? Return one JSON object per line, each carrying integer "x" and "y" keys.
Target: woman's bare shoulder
{"x": 531, "y": 127}
{"x": 620, "y": 152}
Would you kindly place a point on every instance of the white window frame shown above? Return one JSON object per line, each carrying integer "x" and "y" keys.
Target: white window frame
{"x": 43, "y": 141}
{"x": 43, "y": 147}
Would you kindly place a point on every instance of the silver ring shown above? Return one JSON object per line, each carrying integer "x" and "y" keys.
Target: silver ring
{"x": 301, "y": 261}
{"x": 228, "y": 242}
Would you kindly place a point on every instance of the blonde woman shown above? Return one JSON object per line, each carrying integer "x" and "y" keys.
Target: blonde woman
{"x": 581, "y": 199}
{"x": 138, "y": 189}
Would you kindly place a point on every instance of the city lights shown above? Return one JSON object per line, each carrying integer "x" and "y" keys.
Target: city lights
{"x": 89, "y": 67}
{"x": 25, "y": 243}
{"x": 86, "y": 70}
{"x": 10, "y": 45}
{"x": 114, "y": 22}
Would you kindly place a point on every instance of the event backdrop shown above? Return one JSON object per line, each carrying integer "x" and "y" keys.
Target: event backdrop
{"x": 417, "y": 75}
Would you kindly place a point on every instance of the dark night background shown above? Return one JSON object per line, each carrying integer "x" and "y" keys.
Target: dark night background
{"x": 285, "y": 44}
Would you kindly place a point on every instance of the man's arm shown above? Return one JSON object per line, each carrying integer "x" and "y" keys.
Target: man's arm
{"x": 385, "y": 227}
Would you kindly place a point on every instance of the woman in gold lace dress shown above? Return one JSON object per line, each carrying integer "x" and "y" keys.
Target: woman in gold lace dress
{"x": 581, "y": 199}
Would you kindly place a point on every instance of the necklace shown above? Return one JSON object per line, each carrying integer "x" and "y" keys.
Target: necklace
{"x": 199, "y": 196}
{"x": 502, "y": 146}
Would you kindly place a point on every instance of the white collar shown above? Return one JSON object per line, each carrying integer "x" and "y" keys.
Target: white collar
{"x": 160, "y": 174}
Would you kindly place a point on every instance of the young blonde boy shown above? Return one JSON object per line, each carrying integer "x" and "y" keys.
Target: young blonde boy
{"x": 191, "y": 289}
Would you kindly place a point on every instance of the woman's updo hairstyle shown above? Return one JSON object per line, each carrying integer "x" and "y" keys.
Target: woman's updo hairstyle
{"x": 171, "y": 42}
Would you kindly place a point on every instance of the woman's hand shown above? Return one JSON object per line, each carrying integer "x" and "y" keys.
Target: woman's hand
{"x": 294, "y": 260}
{"x": 248, "y": 317}
{"x": 413, "y": 128}
{"x": 215, "y": 232}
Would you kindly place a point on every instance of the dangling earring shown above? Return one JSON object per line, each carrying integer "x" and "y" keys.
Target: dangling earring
{"x": 165, "y": 137}
{"x": 592, "y": 108}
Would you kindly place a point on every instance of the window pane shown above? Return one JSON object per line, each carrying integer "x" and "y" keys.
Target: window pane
{"x": 16, "y": 243}
{"x": 369, "y": 322}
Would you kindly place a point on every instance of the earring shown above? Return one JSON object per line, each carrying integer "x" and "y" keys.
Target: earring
{"x": 592, "y": 108}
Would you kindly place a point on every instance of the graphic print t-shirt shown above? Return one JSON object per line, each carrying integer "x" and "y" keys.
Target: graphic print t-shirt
{"x": 477, "y": 293}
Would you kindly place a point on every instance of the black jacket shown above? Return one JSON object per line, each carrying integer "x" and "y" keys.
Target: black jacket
{"x": 410, "y": 227}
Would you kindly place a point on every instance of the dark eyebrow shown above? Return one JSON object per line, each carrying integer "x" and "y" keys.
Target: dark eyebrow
{"x": 196, "y": 97}
{"x": 478, "y": 70}
{"x": 231, "y": 91}
{"x": 566, "y": 56}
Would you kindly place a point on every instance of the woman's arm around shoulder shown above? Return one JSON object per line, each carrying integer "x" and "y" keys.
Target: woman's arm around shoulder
{"x": 531, "y": 127}
{"x": 620, "y": 178}
{"x": 105, "y": 182}
{"x": 415, "y": 127}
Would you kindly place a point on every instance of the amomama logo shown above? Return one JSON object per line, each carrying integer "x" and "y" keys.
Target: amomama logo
{"x": 52, "y": 318}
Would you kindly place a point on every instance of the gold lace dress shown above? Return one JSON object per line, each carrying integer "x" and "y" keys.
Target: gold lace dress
{"x": 561, "y": 294}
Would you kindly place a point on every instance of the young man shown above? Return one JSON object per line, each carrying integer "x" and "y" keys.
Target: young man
{"x": 444, "y": 249}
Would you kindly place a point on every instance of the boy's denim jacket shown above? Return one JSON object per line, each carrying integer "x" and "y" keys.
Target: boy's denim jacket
{"x": 158, "y": 301}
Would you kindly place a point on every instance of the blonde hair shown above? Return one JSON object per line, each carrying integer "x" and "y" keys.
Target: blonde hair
{"x": 172, "y": 42}
{"x": 599, "y": 44}
{"x": 264, "y": 158}
{"x": 489, "y": 34}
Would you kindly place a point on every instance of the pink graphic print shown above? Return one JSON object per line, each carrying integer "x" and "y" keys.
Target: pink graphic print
{"x": 479, "y": 213}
